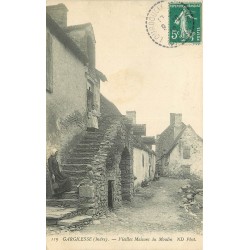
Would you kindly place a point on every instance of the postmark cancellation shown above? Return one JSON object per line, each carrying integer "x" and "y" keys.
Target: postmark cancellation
{"x": 170, "y": 24}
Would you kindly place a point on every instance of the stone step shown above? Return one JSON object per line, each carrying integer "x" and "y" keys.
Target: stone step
{"x": 84, "y": 157}
{"x": 89, "y": 155}
{"x": 70, "y": 195}
{"x": 74, "y": 167}
{"x": 62, "y": 203}
{"x": 53, "y": 214}
{"x": 91, "y": 140}
{"x": 87, "y": 147}
{"x": 88, "y": 143}
{"x": 83, "y": 160}
{"x": 86, "y": 150}
{"x": 93, "y": 135}
{"x": 81, "y": 154}
{"x": 75, "y": 173}
{"x": 75, "y": 221}
{"x": 89, "y": 133}
{"x": 99, "y": 136}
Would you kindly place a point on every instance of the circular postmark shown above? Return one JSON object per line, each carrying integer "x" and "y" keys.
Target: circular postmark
{"x": 170, "y": 24}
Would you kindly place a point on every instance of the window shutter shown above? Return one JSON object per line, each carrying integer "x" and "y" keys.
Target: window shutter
{"x": 186, "y": 152}
{"x": 49, "y": 64}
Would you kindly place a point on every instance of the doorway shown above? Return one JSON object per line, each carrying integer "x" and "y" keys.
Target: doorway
{"x": 111, "y": 194}
{"x": 90, "y": 99}
{"x": 125, "y": 167}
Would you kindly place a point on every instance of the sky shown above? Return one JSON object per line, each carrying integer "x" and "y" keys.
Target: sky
{"x": 142, "y": 76}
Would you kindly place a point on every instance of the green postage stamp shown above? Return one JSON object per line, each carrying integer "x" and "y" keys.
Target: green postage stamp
{"x": 185, "y": 23}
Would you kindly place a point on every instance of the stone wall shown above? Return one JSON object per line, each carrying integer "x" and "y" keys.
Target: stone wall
{"x": 113, "y": 162}
{"x": 66, "y": 105}
{"x": 178, "y": 162}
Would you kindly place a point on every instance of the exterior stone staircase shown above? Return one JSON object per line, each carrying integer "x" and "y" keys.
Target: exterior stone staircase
{"x": 65, "y": 217}
{"x": 76, "y": 168}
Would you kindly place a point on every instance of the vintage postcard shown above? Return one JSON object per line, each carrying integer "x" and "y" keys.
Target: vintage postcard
{"x": 124, "y": 124}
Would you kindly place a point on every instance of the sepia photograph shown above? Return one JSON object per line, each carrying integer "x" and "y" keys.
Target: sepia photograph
{"x": 124, "y": 127}
{"x": 111, "y": 155}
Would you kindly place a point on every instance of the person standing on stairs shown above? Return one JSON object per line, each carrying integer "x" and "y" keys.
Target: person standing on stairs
{"x": 93, "y": 116}
{"x": 60, "y": 182}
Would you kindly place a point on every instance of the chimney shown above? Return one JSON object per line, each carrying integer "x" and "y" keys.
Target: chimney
{"x": 176, "y": 123}
{"x": 58, "y": 13}
{"x": 131, "y": 115}
{"x": 175, "y": 119}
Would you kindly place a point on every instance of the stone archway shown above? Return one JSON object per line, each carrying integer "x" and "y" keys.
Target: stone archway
{"x": 125, "y": 167}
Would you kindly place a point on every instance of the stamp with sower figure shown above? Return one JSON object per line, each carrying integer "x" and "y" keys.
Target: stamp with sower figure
{"x": 170, "y": 24}
{"x": 184, "y": 23}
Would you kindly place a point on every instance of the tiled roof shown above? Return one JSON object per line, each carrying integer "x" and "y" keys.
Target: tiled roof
{"x": 138, "y": 143}
{"x": 107, "y": 108}
{"x": 166, "y": 140}
{"x": 65, "y": 39}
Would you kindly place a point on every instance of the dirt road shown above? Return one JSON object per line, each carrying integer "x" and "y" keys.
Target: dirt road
{"x": 154, "y": 209}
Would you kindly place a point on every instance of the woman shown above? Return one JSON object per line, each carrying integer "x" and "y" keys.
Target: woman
{"x": 93, "y": 119}
{"x": 61, "y": 183}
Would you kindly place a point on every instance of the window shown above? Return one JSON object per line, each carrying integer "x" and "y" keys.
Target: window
{"x": 186, "y": 152}
{"x": 49, "y": 63}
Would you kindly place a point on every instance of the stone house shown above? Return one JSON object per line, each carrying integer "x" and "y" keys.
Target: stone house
{"x": 103, "y": 166}
{"x": 72, "y": 82}
{"x": 179, "y": 150}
